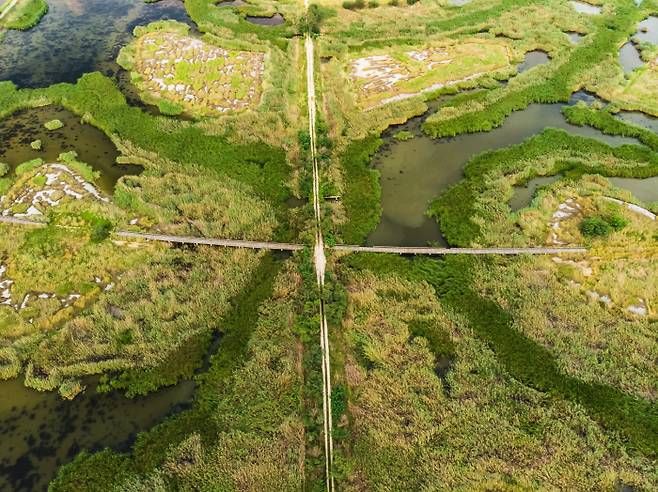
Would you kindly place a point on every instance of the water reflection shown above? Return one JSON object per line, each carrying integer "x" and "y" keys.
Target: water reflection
{"x": 574, "y": 36}
{"x": 629, "y": 57}
{"x": 77, "y": 37}
{"x": 91, "y": 144}
{"x": 585, "y": 8}
{"x": 645, "y": 190}
{"x": 415, "y": 171}
{"x": 524, "y": 194}
{"x": 532, "y": 59}
{"x": 274, "y": 20}
{"x": 40, "y": 431}
{"x": 648, "y": 31}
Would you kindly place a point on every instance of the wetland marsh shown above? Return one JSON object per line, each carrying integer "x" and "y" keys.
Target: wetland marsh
{"x": 131, "y": 364}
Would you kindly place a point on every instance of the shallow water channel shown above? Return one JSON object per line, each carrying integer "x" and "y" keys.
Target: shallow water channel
{"x": 40, "y": 431}
{"x": 415, "y": 171}
{"x": 585, "y": 8}
{"x": 629, "y": 57}
{"x": 273, "y": 20}
{"x": 91, "y": 144}
{"x": 76, "y": 37}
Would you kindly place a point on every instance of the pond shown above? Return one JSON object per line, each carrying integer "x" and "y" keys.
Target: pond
{"x": 532, "y": 59}
{"x": 585, "y": 8}
{"x": 415, "y": 171}
{"x": 91, "y": 144}
{"x": 274, "y": 20}
{"x": 629, "y": 57}
{"x": 76, "y": 37}
{"x": 40, "y": 431}
{"x": 524, "y": 194}
{"x": 645, "y": 190}
{"x": 574, "y": 36}
{"x": 648, "y": 30}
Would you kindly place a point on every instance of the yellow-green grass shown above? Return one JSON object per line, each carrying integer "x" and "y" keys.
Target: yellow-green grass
{"x": 23, "y": 15}
{"x": 622, "y": 265}
{"x": 394, "y": 73}
{"x": 639, "y": 92}
{"x": 472, "y": 427}
{"x": 182, "y": 73}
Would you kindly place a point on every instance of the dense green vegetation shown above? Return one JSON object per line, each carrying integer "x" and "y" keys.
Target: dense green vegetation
{"x": 602, "y": 226}
{"x": 606, "y": 121}
{"x": 634, "y": 419}
{"x": 244, "y": 430}
{"x": 362, "y": 200}
{"x": 24, "y": 15}
{"x": 472, "y": 373}
{"x": 95, "y": 96}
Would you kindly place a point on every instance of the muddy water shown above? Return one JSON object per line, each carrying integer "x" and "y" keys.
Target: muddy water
{"x": 92, "y": 145}
{"x": 532, "y": 59}
{"x": 78, "y": 36}
{"x": 415, "y": 171}
{"x": 629, "y": 57}
{"x": 648, "y": 31}
{"x": 645, "y": 190}
{"x": 523, "y": 195}
{"x": 275, "y": 20}
{"x": 585, "y": 8}
{"x": 40, "y": 431}
{"x": 639, "y": 118}
{"x": 574, "y": 36}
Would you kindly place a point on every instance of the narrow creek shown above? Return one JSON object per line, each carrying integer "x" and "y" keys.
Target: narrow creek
{"x": 273, "y": 20}
{"x": 91, "y": 144}
{"x": 76, "y": 37}
{"x": 414, "y": 171}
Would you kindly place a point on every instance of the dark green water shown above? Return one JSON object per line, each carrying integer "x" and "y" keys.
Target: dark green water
{"x": 40, "y": 431}
{"x": 76, "y": 37}
{"x": 645, "y": 190}
{"x": 274, "y": 20}
{"x": 91, "y": 144}
{"x": 416, "y": 171}
{"x": 523, "y": 195}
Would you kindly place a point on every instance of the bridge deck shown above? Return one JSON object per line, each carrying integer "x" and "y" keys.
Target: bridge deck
{"x": 237, "y": 243}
